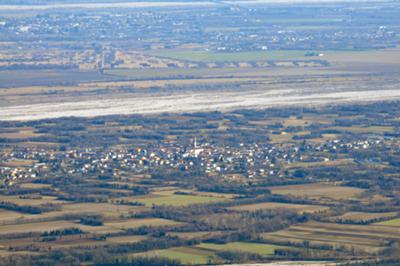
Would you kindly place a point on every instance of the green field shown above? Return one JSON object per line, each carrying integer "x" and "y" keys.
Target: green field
{"x": 393, "y": 222}
{"x": 261, "y": 249}
{"x": 234, "y": 56}
{"x": 179, "y": 200}
{"x": 186, "y": 255}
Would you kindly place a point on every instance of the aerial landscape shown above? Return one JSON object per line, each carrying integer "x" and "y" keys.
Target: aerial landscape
{"x": 240, "y": 132}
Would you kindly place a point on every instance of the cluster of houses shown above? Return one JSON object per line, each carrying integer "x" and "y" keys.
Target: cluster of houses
{"x": 245, "y": 160}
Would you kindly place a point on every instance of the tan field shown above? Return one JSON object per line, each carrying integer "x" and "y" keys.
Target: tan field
{"x": 317, "y": 191}
{"x": 300, "y": 208}
{"x": 36, "y": 227}
{"x": 363, "y": 216}
{"x": 135, "y": 223}
{"x": 31, "y": 201}
{"x": 369, "y": 238}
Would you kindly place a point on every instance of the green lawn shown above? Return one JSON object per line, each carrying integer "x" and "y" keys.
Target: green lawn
{"x": 262, "y": 249}
{"x": 179, "y": 200}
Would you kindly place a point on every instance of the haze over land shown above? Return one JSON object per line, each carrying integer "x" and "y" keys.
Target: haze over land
{"x": 263, "y": 60}
{"x": 199, "y": 133}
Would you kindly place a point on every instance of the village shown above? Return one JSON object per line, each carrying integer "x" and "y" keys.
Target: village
{"x": 243, "y": 161}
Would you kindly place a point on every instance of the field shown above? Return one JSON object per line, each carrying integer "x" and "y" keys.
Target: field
{"x": 355, "y": 129}
{"x": 32, "y": 200}
{"x": 196, "y": 235}
{"x": 125, "y": 239}
{"x": 368, "y": 238}
{"x": 174, "y": 191}
{"x": 318, "y": 191}
{"x": 305, "y": 165}
{"x": 135, "y": 223}
{"x": 205, "y": 253}
{"x": 35, "y": 186}
{"x": 178, "y": 200}
{"x": 187, "y": 255}
{"x": 20, "y": 133}
{"x": 364, "y": 217}
{"x": 9, "y": 215}
{"x": 393, "y": 222}
{"x": 36, "y": 227}
{"x": 235, "y": 56}
{"x": 18, "y": 163}
{"x": 216, "y": 73}
{"x": 261, "y": 249}
{"x": 110, "y": 226}
{"x": 105, "y": 209}
{"x": 300, "y": 208}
